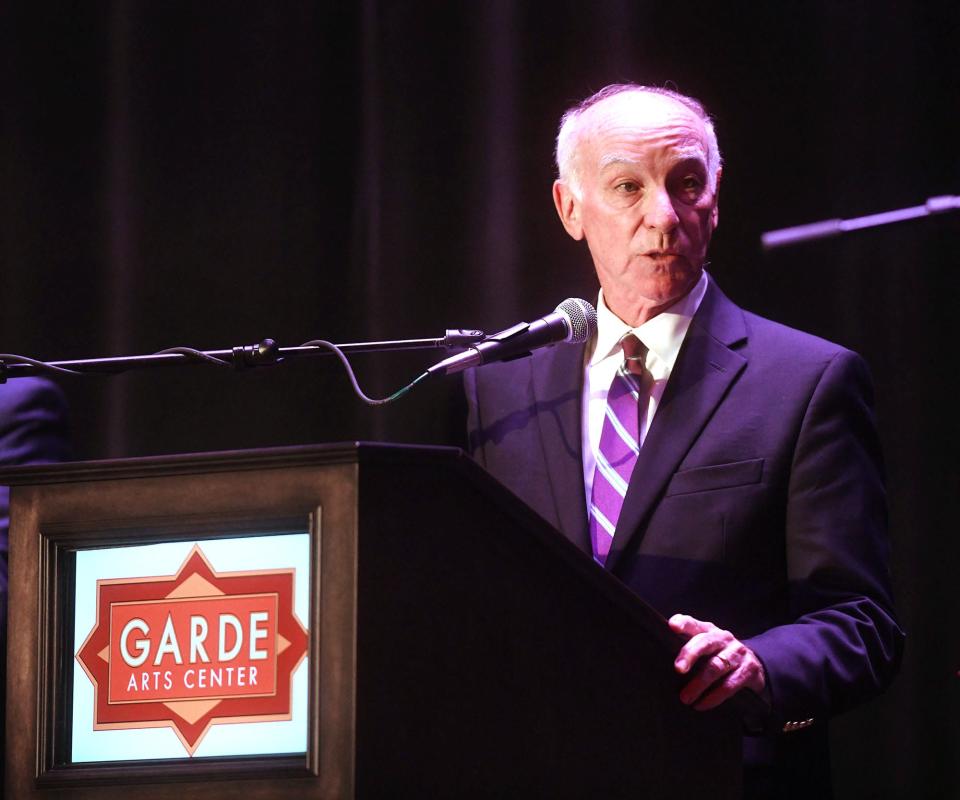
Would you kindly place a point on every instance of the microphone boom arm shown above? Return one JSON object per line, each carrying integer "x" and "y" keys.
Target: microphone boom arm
{"x": 834, "y": 227}
{"x": 265, "y": 353}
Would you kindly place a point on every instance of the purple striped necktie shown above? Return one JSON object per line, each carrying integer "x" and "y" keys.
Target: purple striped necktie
{"x": 619, "y": 445}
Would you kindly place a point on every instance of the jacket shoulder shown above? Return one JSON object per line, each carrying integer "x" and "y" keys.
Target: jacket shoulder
{"x": 799, "y": 352}
{"x": 34, "y": 426}
{"x": 20, "y": 395}
{"x": 776, "y": 334}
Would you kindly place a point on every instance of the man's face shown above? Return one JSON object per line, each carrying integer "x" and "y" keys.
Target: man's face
{"x": 645, "y": 207}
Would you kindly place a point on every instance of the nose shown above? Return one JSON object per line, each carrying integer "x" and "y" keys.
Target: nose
{"x": 659, "y": 214}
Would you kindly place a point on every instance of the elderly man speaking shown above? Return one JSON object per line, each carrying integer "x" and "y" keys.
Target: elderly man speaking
{"x": 724, "y": 467}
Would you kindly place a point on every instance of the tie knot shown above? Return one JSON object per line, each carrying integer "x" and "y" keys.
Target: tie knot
{"x": 634, "y": 354}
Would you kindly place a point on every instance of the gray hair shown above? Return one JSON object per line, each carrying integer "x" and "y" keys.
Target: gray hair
{"x": 568, "y": 137}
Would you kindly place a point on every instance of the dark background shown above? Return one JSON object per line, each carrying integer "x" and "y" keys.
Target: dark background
{"x": 212, "y": 173}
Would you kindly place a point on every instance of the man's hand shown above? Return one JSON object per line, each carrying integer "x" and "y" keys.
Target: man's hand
{"x": 719, "y": 664}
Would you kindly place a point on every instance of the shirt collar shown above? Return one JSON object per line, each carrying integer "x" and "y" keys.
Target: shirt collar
{"x": 663, "y": 334}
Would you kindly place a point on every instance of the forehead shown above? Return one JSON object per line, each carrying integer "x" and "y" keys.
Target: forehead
{"x": 637, "y": 126}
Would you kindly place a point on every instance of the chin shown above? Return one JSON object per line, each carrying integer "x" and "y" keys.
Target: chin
{"x": 672, "y": 286}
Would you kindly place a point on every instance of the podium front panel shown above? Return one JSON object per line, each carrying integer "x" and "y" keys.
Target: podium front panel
{"x": 334, "y": 621}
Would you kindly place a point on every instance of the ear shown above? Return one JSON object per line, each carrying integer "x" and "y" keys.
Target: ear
{"x": 568, "y": 209}
{"x": 715, "y": 214}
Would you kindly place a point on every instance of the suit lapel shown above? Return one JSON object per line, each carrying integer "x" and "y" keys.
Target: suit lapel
{"x": 557, "y": 378}
{"x": 705, "y": 369}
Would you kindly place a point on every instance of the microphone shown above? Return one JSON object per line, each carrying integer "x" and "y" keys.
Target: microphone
{"x": 574, "y": 321}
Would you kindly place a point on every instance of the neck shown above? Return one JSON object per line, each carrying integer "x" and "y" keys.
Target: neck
{"x": 635, "y": 310}
{"x": 635, "y": 314}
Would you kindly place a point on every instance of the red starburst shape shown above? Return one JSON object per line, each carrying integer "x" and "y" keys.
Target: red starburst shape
{"x": 194, "y": 649}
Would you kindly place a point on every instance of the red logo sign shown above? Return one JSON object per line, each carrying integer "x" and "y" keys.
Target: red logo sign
{"x": 194, "y": 649}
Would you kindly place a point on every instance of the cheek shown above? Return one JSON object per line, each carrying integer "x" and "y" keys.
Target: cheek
{"x": 699, "y": 225}
{"x": 609, "y": 232}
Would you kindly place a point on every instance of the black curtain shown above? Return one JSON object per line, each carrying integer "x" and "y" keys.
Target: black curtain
{"x": 210, "y": 174}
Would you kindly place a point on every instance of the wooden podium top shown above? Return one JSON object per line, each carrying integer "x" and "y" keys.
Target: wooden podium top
{"x": 225, "y": 461}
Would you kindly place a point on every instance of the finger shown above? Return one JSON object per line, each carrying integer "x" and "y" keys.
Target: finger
{"x": 719, "y": 693}
{"x": 700, "y": 646}
{"x": 709, "y": 672}
{"x": 749, "y": 674}
{"x": 717, "y": 660}
{"x": 684, "y": 623}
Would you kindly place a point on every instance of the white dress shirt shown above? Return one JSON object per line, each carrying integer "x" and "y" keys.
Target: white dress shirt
{"x": 663, "y": 335}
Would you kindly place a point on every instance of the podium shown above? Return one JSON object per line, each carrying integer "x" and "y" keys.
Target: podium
{"x": 452, "y": 644}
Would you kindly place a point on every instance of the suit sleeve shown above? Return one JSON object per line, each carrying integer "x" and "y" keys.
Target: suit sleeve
{"x": 844, "y": 645}
{"x": 33, "y": 430}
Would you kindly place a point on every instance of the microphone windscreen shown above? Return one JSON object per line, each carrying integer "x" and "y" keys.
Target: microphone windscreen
{"x": 582, "y": 318}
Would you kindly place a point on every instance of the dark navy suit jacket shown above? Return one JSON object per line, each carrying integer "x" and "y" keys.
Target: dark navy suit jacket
{"x": 757, "y": 503}
{"x": 33, "y": 430}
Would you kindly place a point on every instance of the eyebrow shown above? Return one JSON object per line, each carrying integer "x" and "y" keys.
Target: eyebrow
{"x": 612, "y": 159}
{"x": 617, "y": 158}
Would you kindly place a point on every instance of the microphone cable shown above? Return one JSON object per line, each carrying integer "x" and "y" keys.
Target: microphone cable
{"x": 370, "y": 401}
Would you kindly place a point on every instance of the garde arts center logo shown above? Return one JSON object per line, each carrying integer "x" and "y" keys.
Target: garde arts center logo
{"x": 194, "y": 649}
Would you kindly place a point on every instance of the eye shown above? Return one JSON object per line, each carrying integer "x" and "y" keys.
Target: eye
{"x": 691, "y": 186}
{"x": 627, "y": 187}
